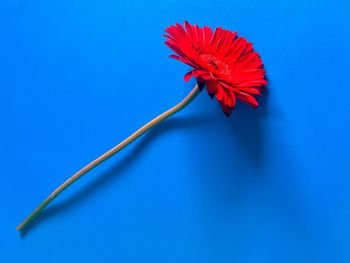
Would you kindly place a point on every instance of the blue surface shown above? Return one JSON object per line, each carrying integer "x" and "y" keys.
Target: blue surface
{"x": 270, "y": 185}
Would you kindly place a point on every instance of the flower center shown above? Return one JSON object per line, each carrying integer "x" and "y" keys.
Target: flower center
{"x": 215, "y": 64}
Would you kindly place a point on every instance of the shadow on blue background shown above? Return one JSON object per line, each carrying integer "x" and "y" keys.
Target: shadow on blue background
{"x": 270, "y": 185}
{"x": 252, "y": 143}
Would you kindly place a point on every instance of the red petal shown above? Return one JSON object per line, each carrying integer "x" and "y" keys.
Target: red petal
{"x": 205, "y": 75}
{"x": 215, "y": 38}
{"x": 184, "y": 60}
{"x": 188, "y": 76}
{"x": 237, "y": 49}
{"x": 231, "y": 100}
{"x": 220, "y": 93}
{"x": 247, "y": 99}
{"x": 207, "y": 33}
{"x": 212, "y": 87}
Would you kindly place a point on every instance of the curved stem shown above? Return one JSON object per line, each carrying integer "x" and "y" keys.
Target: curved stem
{"x": 187, "y": 100}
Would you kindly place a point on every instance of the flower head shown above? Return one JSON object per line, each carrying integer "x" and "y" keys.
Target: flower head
{"x": 226, "y": 64}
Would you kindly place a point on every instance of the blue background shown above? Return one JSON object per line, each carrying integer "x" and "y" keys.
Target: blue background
{"x": 270, "y": 185}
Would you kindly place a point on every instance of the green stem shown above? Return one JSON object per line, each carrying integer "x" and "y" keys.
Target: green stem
{"x": 187, "y": 100}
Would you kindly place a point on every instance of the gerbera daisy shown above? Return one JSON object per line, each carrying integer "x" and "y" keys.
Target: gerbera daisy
{"x": 225, "y": 63}
{"x": 221, "y": 61}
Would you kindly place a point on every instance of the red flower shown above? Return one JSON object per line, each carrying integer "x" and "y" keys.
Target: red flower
{"x": 225, "y": 63}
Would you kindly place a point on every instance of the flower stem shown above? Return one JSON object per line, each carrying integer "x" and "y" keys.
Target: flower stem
{"x": 187, "y": 100}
